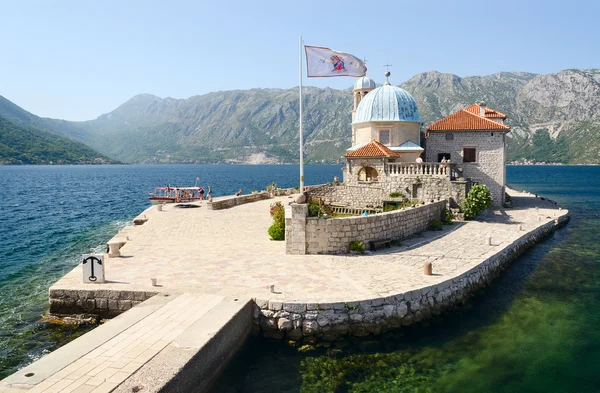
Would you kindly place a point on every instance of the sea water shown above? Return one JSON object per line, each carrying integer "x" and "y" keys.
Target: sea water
{"x": 535, "y": 329}
{"x": 50, "y": 215}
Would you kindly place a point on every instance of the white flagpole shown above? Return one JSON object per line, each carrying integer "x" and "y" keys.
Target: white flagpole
{"x": 301, "y": 136}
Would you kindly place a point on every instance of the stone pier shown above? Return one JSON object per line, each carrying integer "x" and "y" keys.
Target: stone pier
{"x": 211, "y": 254}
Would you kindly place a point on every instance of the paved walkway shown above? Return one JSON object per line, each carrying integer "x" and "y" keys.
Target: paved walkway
{"x": 228, "y": 253}
{"x": 175, "y": 327}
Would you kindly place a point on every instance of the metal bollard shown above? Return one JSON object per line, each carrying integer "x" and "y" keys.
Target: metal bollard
{"x": 272, "y": 288}
{"x": 488, "y": 240}
{"x": 520, "y": 227}
{"x": 428, "y": 268}
{"x": 153, "y": 282}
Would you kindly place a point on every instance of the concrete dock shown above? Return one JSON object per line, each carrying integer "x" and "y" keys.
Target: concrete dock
{"x": 167, "y": 342}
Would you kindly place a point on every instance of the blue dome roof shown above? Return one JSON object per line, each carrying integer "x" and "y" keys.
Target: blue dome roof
{"x": 387, "y": 103}
{"x": 364, "y": 83}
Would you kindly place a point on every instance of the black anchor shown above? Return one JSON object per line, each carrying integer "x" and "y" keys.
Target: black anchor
{"x": 92, "y": 259}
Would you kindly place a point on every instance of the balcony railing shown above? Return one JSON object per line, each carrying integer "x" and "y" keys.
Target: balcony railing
{"x": 421, "y": 169}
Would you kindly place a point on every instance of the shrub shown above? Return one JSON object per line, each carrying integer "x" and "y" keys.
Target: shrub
{"x": 478, "y": 199}
{"x": 356, "y": 246}
{"x": 447, "y": 216}
{"x": 314, "y": 208}
{"x": 395, "y": 195}
{"x": 277, "y": 230}
{"x": 388, "y": 207}
{"x": 436, "y": 225}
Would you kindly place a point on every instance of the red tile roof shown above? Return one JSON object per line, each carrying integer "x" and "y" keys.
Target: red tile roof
{"x": 476, "y": 109}
{"x": 372, "y": 149}
{"x": 466, "y": 120}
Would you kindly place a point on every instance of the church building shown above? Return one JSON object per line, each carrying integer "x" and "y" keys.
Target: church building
{"x": 387, "y": 153}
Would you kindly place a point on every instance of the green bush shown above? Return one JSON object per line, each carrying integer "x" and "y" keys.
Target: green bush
{"x": 356, "y": 246}
{"x": 388, "y": 207}
{"x": 277, "y": 231}
{"x": 447, "y": 216}
{"x": 478, "y": 199}
{"x": 395, "y": 195}
{"x": 436, "y": 225}
{"x": 314, "y": 208}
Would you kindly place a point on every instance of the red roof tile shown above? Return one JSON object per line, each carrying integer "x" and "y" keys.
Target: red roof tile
{"x": 372, "y": 149}
{"x": 465, "y": 120}
{"x": 476, "y": 109}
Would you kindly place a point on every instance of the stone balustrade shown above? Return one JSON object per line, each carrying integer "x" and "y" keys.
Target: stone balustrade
{"x": 419, "y": 169}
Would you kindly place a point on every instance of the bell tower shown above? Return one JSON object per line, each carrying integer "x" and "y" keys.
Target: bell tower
{"x": 361, "y": 87}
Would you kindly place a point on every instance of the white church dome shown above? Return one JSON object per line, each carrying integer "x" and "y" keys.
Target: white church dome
{"x": 364, "y": 83}
{"x": 387, "y": 103}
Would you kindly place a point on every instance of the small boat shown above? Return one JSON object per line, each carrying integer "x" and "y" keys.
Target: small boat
{"x": 174, "y": 195}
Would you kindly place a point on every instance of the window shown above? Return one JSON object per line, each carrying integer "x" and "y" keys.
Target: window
{"x": 384, "y": 137}
{"x": 469, "y": 154}
{"x": 441, "y": 156}
{"x": 449, "y": 137}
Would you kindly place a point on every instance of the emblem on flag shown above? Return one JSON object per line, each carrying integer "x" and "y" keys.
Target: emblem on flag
{"x": 325, "y": 62}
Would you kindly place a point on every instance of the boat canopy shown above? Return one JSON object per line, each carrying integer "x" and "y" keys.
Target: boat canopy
{"x": 177, "y": 188}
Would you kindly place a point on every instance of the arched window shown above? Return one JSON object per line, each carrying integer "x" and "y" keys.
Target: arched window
{"x": 367, "y": 173}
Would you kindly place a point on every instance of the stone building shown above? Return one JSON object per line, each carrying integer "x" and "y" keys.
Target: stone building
{"x": 386, "y": 143}
{"x": 474, "y": 139}
{"x": 386, "y": 164}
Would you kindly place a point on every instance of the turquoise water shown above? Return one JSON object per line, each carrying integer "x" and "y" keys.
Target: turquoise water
{"x": 53, "y": 214}
{"x": 535, "y": 329}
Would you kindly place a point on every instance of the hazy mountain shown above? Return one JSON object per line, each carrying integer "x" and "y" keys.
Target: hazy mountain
{"x": 234, "y": 126}
{"x": 261, "y": 125}
{"x": 22, "y": 144}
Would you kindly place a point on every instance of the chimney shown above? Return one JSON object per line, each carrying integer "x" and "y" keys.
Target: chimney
{"x": 482, "y": 108}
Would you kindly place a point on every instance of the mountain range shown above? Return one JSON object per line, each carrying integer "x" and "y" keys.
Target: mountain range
{"x": 28, "y": 139}
{"x": 554, "y": 118}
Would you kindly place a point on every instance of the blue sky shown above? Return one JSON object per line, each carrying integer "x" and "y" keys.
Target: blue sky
{"x": 76, "y": 60}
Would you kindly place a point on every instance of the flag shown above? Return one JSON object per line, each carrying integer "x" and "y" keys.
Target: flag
{"x": 324, "y": 62}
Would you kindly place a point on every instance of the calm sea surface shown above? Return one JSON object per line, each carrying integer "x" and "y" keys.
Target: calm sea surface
{"x": 534, "y": 330}
{"x": 50, "y": 215}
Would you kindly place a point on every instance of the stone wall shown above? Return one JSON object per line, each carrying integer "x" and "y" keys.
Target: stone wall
{"x": 425, "y": 189}
{"x": 328, "y": 321}
{"x": 295, "y": 228}
{"x": 490, "y": 168}
{"x": 326, "y": 236}
{"x": 358, "y": 195}
{"x": 227, "y": 202}
{"x": 105, "y": 303}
